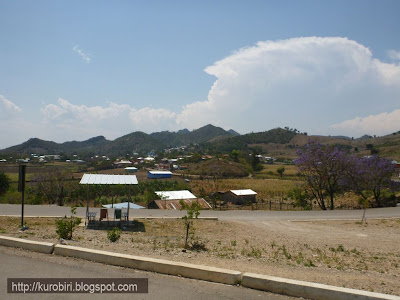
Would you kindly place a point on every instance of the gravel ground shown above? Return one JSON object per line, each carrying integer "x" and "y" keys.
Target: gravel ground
{"x": 342, "y": 253}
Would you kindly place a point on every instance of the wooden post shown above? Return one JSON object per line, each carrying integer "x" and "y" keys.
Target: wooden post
{"x": 87, "y": 202}
{"x": 129, "y": 201}
{"x": 21, "y": 188}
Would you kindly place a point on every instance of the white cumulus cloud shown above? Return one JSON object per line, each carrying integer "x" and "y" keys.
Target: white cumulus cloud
{"x": 308, "y": 83}
{"x": 113, "y": 120}
{"x": 393, "y": 54}
{"x": 379, "y": 124}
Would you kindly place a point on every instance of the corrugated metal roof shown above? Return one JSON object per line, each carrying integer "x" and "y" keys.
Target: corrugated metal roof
{"x": 160, "y": 172}
{"x": 175, "y": 205}
{"x": 108, "y": 179}
{"x": 175, "y": 195}
{"x": 243, "y": 192}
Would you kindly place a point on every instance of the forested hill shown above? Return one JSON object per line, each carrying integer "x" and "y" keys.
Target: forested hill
{"x": 241, "y": 142}
{"x": 127, "y": 144}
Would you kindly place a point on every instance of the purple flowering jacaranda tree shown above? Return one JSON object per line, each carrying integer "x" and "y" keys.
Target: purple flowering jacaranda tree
{"x": 323, "y": 167}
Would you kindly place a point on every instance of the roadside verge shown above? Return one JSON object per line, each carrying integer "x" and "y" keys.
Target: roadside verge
{"x": 272, "y": 284}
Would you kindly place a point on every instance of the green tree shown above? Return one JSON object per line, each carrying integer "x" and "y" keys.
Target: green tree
{"x": 280, "y": 171}
{"x": 66, "y": 226}
{"x": 4, "y": 183}
{"x": 255, "y": 161}
{"x": 193, "y": 211}
{"x": 196, "y": 157}
{"x": 235, "y": 155}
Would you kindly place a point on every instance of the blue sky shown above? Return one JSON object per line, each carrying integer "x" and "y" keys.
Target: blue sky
{"x": 71, "y": 70}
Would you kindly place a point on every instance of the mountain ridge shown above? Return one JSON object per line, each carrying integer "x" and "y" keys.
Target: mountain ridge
{"x": 206, "y": 139}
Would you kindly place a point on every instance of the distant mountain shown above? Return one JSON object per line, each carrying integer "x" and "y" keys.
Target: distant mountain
{"x": 241, "y": 142}
{"x": 233, "y": 132}
{"x": 35, "y": 145}
{"x": 210, "y": 139}
{"x": 207, "y": 133}
{"x": 39, "y": 146}
{"x": 134, "y": 142}
{"x": 186, "y": 137}
{"x": 183, "y": 131}
{"x": 139, "y": 142}
{"x": 365, "y": 137}
{"x": 95, "y": 144}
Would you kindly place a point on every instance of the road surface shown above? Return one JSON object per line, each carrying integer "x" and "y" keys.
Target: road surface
{"x": 16, "y": 263}
{"x": 232, "y": 215}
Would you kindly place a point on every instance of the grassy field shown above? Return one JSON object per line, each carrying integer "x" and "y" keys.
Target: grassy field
{"x": 270, "y": 172}
{"x": 265, "y": 188}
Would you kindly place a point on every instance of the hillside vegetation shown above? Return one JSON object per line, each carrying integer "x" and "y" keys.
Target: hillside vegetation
{"x": 210, "y": 139}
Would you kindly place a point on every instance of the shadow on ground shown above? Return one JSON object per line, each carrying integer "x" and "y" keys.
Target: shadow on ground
{"x": 132, "y": 226}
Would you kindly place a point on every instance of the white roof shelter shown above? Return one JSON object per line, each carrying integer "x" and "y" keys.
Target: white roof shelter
{"x": 243, "y": 192}
{"x": 160, "y": 172}
{"x": 123, "y": 205}
{"x": 108, "y": 179}
{"x": 175, "y": 195}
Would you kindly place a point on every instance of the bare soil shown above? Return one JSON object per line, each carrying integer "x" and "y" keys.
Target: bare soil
{"x": 342, "y": 253}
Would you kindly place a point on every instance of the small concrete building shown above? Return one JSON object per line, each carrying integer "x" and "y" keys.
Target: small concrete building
{"x": 171, "y": 200}
{"x": 176, "y": 205}
{"x": 239, "y": 197}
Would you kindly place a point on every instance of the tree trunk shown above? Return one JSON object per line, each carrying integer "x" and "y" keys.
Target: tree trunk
{"x": 332, "y": 206}
{"x": 377, "y": 193}
{"x": 187, "y": 234}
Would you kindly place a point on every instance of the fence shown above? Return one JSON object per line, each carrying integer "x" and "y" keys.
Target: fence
{"x": 283, "y": 204}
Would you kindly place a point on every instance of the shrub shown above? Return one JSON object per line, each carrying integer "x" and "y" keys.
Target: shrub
{"x": 65, "y": 226}
{"x": 114, "y": 234}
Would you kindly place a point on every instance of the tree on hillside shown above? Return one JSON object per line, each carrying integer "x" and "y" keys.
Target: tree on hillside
{"x": 280, "y": 171}
{"x": 255, "y": 161}
{"x": 369, "y": 174}
{"x": 50, "y": 185}
{"x": 323, "y": 167}
{"x": 235, "y": 155}
{"x": 4, "y": 183}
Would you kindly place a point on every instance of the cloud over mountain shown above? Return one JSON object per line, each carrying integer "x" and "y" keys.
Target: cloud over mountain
{"x": 309, "y": 82}
{"x": 322, "y": 85}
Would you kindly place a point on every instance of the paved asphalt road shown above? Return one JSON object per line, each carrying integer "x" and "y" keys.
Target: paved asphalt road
{"x": 239, "y": 215}
{"x": 25, "y": 264}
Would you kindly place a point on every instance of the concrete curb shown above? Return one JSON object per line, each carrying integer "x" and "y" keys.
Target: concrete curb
{"x": 39, "y": 217}
{"x": 151, "y": 264}
{"x": 136, "y": 218}
{"x": 307, "y": 290}
{"x": 169, "y": 218}
{"x": 42, "y": 247}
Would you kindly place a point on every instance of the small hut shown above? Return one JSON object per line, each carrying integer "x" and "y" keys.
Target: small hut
{"x": 239, "y": 197}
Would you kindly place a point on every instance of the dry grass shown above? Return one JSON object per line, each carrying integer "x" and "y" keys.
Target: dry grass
{"x": 265, "y": 188}
{"x": 270, "y": 172}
